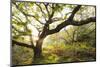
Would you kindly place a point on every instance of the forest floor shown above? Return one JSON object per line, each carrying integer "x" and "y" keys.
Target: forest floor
{"x": 76, "y": 52}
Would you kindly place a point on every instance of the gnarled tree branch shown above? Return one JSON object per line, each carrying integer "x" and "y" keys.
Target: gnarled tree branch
{"x": 82, "y": 22}
{"x": 74, "y": 12}
{"x": 22, "y": 44}
{"x": 70, "y": 21}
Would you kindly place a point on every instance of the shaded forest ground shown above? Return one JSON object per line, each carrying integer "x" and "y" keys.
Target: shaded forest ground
{"x": 74, "y": 52}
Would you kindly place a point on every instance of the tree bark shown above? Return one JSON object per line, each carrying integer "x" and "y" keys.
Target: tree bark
{"x": 38, "y": 49}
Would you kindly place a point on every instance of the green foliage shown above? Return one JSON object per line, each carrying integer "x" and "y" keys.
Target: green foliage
{"x": 78, "y": 51}
{"x": 59, "y": 7}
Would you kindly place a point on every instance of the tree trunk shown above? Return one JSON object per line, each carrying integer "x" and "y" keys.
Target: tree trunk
{"x": 38, "y": 49}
